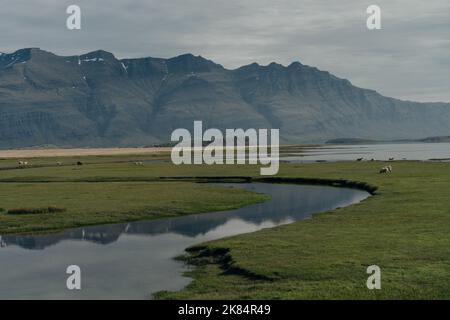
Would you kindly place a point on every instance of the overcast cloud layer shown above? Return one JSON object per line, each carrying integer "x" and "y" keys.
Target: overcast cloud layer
{"x": 408, "y": 59}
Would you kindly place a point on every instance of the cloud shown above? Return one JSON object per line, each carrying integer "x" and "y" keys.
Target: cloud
{"x": 406, "y": 59}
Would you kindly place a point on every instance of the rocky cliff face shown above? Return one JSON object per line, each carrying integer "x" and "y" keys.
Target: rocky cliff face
{"x": 98, "y": 100}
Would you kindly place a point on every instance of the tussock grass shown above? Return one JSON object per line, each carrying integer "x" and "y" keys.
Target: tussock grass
{"x": 23, "y": 211}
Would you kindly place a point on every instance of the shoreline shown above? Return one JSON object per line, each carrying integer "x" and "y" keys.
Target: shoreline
{"x": 112, "y": 151}
{"x": 78, "y": 152}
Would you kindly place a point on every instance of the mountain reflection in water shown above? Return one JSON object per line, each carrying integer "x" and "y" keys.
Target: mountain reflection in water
{"x": 284, "y": 207}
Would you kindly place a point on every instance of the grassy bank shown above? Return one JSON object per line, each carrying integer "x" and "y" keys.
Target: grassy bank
{"x": 404, "y": 229}
{"x": 84, "y": 204}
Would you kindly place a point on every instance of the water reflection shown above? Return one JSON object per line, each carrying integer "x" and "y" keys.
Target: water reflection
{"x": 288, "y": 203}
{"x": 135, "y": 259}
{"x": 383, "y": 152}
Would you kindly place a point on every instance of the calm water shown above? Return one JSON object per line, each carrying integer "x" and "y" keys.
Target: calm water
{"x": 398, "y": 151}
{"x": 133, "y": 260}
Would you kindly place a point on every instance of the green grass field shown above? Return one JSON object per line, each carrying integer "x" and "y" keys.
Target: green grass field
{"x": 404, "y": 228}
{"x": 101, "y": 203}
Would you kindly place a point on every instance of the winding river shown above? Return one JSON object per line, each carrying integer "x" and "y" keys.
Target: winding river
{"x": 134, "y": 260}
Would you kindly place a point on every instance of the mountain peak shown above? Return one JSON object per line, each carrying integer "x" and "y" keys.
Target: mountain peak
{"x": 184, "y": 56}
{"x": 295, "y": 64}
{"x": 18, "y": 56}
{"x": 23, "y": 55}
{"x": 188, "y": 63}
{"x": 249, "y": 67}
{"x": 275, "y": 64}
{"x": 99, "y": 54}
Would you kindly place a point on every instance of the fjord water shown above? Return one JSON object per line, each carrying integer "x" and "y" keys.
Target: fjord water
{"x": 134, "y": 260}
{"x": 383, "y": 152}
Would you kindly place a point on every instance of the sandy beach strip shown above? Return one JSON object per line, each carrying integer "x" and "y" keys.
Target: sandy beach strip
{"x": 39, "y": 153}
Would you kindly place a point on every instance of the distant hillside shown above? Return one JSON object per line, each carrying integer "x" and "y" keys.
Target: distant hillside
{"x": 436, "y": 139}
{"x": 98, "y": 100}
{"x": 350, "y": 141}
{"x": 440, "y": 139}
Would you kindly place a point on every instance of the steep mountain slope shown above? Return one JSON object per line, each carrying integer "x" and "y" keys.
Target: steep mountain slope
{"x": 98, "y": 100}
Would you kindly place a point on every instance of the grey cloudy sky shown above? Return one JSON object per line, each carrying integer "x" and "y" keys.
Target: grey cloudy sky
{"x": 408, "y": 59}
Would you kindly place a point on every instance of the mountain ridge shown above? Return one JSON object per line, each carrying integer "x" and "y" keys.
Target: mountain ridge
{"x": 96, "y": 100}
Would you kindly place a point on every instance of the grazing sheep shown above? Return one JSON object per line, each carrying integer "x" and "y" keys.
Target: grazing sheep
{"x": 59, "y": 163}
{"x": 79, "y": 163}
{"x": 391, "y": 159}
{"x": 139, "y": 163}
{"x": 387, "y": 169}
{"x": 360, "y": 159}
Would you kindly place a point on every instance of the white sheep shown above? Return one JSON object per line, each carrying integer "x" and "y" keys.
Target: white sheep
{"x": 387, "y": 169}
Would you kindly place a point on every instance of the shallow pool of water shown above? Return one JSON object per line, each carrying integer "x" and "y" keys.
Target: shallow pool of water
{"x": 383, "y": 152}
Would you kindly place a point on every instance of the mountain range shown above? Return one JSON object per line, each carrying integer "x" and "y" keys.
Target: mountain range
{"x": 97, "y": 100}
